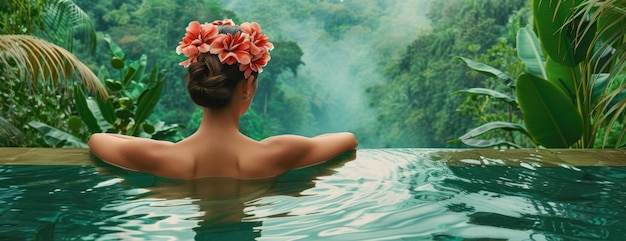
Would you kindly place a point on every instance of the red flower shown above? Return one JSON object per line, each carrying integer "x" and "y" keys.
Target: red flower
{"x": 259, "y": 61}
{"x": 258, "y": 40}
{"x": 197, "y": 40}
{"x": 232, "y": 49}
{"x": 250, "y": 48}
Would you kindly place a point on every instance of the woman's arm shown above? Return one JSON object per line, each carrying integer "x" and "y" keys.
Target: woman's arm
{"x": 292, "y": 151}
{"x": 133, "y": 153}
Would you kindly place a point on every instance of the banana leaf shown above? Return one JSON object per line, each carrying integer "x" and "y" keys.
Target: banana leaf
{"x": 57, "y": 138}
{"x": 107, "y": 110}
{"x": 85, "y": 113}
{"x": 491, "y": 93}
{"x": 507, "y": 126}
{"x": 114, "y": 48}
{"x": 148, "y": 100}
{"x": 529, "y": 51}
{"x": 482, "y": 143}
{"x": 550, "y": 116}
{"x": 104, "y": 124}
{"x": 550, "y": 18}
{"x": 489, "y": 71}
{"x": 567, "y": 78}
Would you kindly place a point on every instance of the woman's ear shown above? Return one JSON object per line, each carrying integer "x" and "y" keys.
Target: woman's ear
{"x": 249, "y": 86}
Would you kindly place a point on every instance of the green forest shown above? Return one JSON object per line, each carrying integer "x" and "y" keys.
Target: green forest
{"x": 422, "y": 73}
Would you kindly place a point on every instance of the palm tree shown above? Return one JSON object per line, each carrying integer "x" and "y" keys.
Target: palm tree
{"x": 31, "y": 38}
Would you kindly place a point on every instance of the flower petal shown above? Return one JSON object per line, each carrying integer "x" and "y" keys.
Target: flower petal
{"x": 249, "y": 48}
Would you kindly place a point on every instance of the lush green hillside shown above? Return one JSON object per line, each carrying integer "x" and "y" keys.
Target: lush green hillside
{"x": 384, "y": 69}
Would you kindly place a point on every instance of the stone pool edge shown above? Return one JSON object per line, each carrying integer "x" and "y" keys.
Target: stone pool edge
{"x": 452, "y": 157}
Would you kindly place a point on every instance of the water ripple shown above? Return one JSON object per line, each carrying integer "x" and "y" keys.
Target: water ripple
{"x": 400, "y": 194}
{"x": 385, "y": 194}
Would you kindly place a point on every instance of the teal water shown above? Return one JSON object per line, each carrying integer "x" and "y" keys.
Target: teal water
{"x": 395, "y": 194}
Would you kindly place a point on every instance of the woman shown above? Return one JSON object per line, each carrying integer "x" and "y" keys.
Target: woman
{"x": 223, "y": 64}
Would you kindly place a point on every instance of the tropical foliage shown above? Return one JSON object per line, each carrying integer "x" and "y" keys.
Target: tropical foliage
{"x": 31, "y": 65}
{"x": 575, "y": 93}
{"x": 132, "y": 96}
{"x": 414, "y": 105}
{"x": 384, "y": 69}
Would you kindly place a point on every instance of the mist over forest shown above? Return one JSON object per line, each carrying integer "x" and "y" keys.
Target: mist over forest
{"x": 386, "y": 69}
{"x": 382, "y": 69}
{"x": 339, "y": 66}
{"x": 397, "y": 73}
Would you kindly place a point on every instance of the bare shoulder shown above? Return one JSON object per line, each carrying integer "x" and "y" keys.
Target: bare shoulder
{"x": 287, "y": 152}
{"x": 138, "y": 154}
{"x": 345, "y": 138}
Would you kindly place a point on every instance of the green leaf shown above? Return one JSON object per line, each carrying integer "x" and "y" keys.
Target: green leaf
{"x": 495, "y": 125}
{"x": 491, "y": 93}
{"x": 550, "y": 18}
{"x": 106, "y": 109}
{"x": 57, "y": 138}
{"x": 599, "y": 86}
{"x": 95, "y": 109}
{"x": 164, "y": 132}
{"x": 489, "y": 71}
{"x": 103, "y": 74}
{"x": 481, "y": 143}
{"x": 125, "y": 102}
{"x": 619, "y": 97}
{"x": 135, "y": 89}
{"x": 148, "y": 99}
{"x": 563, "y": 76}
{"x": 582, "y": 30}
{"x": 141, "y": 67}
{"x": 529, "y": 51}
{"x": 114, "y": 48}
{"x": 85, "y": 113}
{"x": 129, "y": 75}
{"x": 601, "y": 59}
{"x": 9, "y": 134}
{"x": 549, "y": 114}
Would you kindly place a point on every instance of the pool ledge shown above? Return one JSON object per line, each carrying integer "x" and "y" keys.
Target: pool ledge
{"x": 452, "y": 157}
{"x": 45, "y": 156}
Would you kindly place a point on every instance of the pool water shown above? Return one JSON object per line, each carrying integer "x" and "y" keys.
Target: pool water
{"x": 375, "y": 194}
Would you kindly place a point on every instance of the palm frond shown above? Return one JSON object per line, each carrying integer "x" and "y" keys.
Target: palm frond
{"x": 32, "y": 59}
{"x": 610, "y": 18}
{"x": 9, "y": 134}
{"x": 63, "y": 21}
{"x": 607, "y": 24}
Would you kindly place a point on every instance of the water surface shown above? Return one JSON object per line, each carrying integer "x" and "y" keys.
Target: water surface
{"x": 384, "y": 194}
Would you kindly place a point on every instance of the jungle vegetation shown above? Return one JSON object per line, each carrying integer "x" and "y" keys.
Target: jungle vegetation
{"x": 475, "y": 73}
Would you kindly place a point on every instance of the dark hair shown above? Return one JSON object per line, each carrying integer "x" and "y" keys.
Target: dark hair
{"x": 209, "y": 82}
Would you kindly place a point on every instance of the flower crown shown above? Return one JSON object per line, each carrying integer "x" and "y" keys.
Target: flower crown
{"x": 248, "y": 47}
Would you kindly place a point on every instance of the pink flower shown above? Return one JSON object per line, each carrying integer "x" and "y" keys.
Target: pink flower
{"x": 197, "y": 40}
{"x": 250, "y": 48}
{"x": 259, "y": 61}
{"x": 232, "y": 49}
{"x": 258, "y": 40}
{"x": 256, "y": 63}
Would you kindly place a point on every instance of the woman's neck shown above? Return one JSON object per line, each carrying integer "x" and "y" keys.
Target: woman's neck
{"x": 219, "y": 121}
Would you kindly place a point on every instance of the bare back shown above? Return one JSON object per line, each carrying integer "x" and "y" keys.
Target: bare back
{"x": 233, "y": 156}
